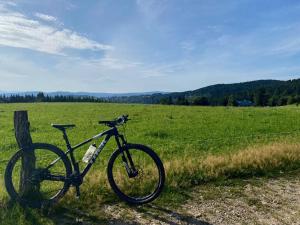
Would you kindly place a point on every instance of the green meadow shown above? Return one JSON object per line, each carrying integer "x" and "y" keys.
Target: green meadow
{"x": 196, "y": 144}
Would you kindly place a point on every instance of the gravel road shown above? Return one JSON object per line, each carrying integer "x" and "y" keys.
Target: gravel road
{"x": 273, "y": 201}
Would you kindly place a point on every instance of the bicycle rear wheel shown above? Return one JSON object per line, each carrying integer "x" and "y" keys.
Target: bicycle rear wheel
{"x": 136, "y": 174}
{"x": 48, "y": 179}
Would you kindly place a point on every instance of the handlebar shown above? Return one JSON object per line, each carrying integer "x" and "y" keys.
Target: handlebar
{"x": 117, "y": 122}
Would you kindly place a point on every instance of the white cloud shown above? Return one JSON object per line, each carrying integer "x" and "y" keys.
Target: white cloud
{"x": 45, "y": 17}
{"x": 17, "y": 30}
{"x": 10, "y": 3}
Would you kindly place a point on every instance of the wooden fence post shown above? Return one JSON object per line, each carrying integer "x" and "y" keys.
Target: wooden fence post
{"x": 24, "y": 141}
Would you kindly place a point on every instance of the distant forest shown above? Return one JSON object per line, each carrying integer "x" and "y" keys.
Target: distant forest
{"x": 253, "y": 93}
{"x": 256, "y": 93}
{"x": 41, "y": 97}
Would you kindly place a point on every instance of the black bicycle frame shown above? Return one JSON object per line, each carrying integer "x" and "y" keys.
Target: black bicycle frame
{"x": 109, "y": 133}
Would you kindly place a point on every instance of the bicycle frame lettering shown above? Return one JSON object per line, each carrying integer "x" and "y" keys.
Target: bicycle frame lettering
{"x": 97, "y": 152}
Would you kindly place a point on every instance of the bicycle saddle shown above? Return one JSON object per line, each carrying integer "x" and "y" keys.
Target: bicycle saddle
{"x": 63, "y": 126}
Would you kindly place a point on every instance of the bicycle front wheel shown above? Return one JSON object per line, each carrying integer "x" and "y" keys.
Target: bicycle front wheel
{"x": 136, "y": 174}
{"x": 45, "y": 183}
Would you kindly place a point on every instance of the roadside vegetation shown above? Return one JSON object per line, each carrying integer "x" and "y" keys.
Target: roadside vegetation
{"x": 198, "y": 145}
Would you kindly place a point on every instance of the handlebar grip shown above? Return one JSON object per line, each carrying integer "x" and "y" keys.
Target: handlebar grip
{"x": 118, "y": 121}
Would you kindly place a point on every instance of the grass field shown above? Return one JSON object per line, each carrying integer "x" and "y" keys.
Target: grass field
{"x": 196, "y": 144}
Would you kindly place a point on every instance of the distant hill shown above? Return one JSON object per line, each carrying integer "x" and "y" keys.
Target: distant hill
{"x": 220, "y": 90}
{"x": 259, "y": 92}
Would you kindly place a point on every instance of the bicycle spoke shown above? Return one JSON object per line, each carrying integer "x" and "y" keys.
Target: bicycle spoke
{"x": 47, "y": 182}
{"x": 144, "y": 182}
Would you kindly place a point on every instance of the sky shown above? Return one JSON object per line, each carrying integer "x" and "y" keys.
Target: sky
{"x": 122, "y": 46}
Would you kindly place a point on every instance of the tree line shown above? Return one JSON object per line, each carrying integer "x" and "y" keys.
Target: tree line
{"x": 41, "y": 97}
{"x": 254, "y": 93}
{"x": 259, "y": 98}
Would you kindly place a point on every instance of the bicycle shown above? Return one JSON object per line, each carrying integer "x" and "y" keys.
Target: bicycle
{"x": 54, "y": 172}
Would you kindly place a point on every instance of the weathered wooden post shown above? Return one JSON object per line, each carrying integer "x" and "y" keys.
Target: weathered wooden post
{"x": 24, "y": 141}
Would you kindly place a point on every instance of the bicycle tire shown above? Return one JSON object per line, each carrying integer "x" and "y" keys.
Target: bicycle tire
{"x": 26, "y": 201}
{"x": 160, "y": 182}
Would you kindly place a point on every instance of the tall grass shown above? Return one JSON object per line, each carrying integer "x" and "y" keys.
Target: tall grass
{"x": 252, "y": 161}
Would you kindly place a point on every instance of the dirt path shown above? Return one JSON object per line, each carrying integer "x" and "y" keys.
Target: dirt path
{"x": 259, "y": 201}
{"x": 275, "y": 201}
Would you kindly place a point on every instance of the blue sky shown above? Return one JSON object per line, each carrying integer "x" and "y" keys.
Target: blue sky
{"x": 146, "y": 45}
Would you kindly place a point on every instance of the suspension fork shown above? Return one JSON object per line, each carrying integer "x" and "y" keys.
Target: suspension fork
{"x": 130, "y": 168}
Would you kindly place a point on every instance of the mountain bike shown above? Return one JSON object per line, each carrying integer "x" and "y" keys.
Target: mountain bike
{"x": 135, "y": 172}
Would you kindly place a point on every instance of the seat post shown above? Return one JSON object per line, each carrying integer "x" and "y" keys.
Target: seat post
{"x": 75, "y": 164}
{"x": 66, "y": 139}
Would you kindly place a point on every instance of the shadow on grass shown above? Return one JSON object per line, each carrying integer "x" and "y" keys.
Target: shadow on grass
{"x": 151, "y": 214}
{"x": 71, "y": 216}
{"x": 76, "y": 212}
{"x": 12, "y": 213}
